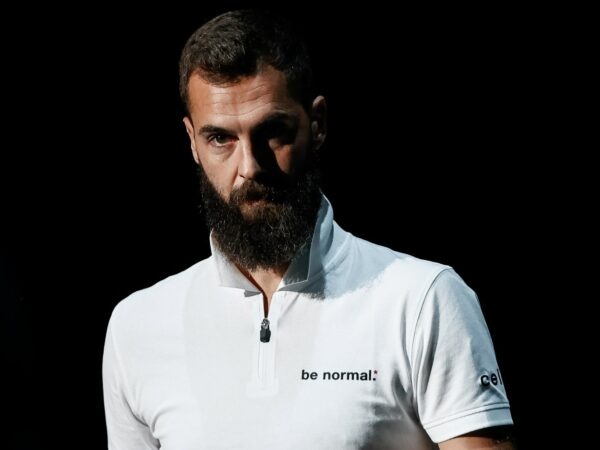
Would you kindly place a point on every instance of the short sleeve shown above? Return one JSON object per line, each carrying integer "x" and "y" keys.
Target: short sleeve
{"x": 458, "y": 384}
{"x": 125, "y": 431}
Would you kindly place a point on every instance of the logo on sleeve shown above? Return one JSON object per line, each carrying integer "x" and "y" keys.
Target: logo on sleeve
{"x": 491, "y": 377}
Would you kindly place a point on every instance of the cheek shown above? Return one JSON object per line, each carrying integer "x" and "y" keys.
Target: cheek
{"x": 294, "y": 159}
{"x": 221, "y": 176}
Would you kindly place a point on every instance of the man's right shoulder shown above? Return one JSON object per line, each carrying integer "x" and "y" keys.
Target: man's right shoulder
{"x": 163, "y": 297}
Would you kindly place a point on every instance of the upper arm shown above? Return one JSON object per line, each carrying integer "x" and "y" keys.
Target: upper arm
{"x": 457, "y": 381}
{"x": 496, "y": 438}
{"x": 125, "y": 431}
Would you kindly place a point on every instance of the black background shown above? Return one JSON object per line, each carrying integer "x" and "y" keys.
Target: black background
{"x": 429, "y": 152}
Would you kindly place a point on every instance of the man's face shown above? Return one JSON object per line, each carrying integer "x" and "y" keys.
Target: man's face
{"x": 256, "y": 147}
{"x": 251, "y": 130}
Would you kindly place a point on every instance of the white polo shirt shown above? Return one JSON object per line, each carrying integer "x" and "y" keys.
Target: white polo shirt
{"x": 369, "y": 348}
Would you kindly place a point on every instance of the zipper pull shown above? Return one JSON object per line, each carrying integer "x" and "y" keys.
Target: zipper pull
{"x": 265, "y": 333}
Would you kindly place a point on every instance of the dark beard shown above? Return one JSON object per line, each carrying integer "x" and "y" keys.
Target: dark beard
{"x": 279, "y": 224}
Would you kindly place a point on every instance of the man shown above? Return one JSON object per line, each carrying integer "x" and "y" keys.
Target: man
{"x": 294, "y": 334}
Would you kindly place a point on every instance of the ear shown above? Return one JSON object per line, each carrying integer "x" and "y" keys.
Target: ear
{"x": 318, "y": 118}
{"x": 189, "y": 127}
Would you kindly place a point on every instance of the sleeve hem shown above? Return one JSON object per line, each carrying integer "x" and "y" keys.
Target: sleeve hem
{"x": 491, "y": 416}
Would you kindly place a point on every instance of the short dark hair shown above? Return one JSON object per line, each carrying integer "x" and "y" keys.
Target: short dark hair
{"x": 239, "y": 44}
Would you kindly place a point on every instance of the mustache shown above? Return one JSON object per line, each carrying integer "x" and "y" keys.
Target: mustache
{"x": 252, "y": 190}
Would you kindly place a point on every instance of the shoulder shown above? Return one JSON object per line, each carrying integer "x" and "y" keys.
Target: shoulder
{"x": 160, "y": 300}
{"x": 394, "y": 268}
{"x": 414, "y": 282}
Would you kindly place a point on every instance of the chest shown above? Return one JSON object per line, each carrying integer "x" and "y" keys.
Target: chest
{"x": 331, "y": 376}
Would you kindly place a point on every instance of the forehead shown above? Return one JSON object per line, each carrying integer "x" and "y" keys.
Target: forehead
{"x": 246, "y": 100}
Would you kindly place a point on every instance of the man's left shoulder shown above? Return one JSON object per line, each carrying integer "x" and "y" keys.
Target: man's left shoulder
{"x": 394, "y": 265}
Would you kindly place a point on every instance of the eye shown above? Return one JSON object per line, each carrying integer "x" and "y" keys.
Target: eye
{"x": 279, "y": 135}
{"x": 220, "y": 140}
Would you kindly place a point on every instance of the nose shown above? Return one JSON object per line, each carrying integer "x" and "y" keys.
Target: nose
{"x": 249, "y": 166}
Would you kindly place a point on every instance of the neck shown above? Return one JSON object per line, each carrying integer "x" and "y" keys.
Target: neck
{"x": 266, "y": 280}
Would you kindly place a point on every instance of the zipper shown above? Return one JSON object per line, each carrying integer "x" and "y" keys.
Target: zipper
{"x": 263, "y": 382}
{"x": 265, "y": 332}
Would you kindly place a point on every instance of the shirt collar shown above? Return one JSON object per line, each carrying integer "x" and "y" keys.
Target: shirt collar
{"x": 308, "y": 262}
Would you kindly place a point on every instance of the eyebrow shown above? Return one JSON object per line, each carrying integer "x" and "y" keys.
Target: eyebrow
{"x": 271, "y": 119}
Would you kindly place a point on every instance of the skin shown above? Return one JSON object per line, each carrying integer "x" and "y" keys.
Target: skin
{"x": 489, "y": 439}
{"x": 242, "y": 130}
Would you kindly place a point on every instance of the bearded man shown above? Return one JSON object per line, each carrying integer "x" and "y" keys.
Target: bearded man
{"x": 293, "y": 334}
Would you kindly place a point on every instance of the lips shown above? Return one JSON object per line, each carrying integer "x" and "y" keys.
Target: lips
{"x": 256, "y": 196}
